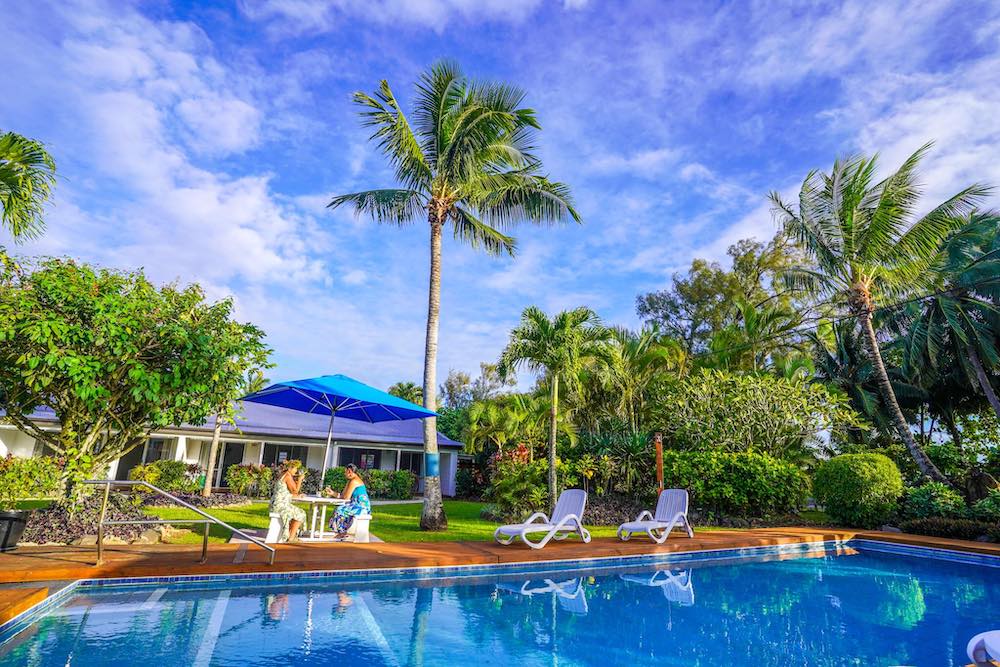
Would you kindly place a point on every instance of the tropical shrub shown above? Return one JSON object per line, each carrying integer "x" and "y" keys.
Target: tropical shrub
{"x": 469, "y": 483}
{"x": 987, "y": 509}
{"x": 22, "y": 478}
{"x": 932, "y": 499}
{"x": 736, "y": 483}
{"x": 517, "y": 489}
{"x": 614, "y": 459}
{"x": 175, "y": 476}
{"x": 719, "y": 410}
{"x": 335, "y": 478}
{"x": 381, "y": 484}
{"x": 858, "y": 490}
{"x": 310, "y": 483}
{"x": 249, "y": 479}
{"x": 57, "y": 523}
{"x": 959, "y": 529}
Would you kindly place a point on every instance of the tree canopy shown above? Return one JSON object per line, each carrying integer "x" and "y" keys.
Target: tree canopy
{"x": 115, "y": 357}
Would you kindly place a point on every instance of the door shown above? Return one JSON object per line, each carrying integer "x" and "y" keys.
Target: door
{"x": 129, "y": 460}
{"x": 232, "y": 453}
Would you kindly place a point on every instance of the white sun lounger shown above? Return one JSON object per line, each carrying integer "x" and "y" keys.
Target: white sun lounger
{"x": 676, "y": 587}
{"x": 671, "y": 512}
{"x": 984, "y": 647}
{"x": 566, "y": 520}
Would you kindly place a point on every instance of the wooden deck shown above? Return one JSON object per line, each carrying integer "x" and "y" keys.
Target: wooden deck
{"x": 70, "y": 563}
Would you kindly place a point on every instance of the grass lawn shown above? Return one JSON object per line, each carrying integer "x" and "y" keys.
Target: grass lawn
{"x": 392, "y": 523}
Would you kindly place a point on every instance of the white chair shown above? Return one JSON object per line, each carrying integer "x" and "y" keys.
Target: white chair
{"x": 359, "y": 529}
{"x": 671, "y": 512}
{"x": 984, "y": 648}
{"x": 273, "y": 528}
{"x": 676, "y": 587}
{"x": 566, "y": 520}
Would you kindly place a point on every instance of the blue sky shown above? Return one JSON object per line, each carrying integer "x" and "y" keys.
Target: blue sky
{"x": 202, "y": 140}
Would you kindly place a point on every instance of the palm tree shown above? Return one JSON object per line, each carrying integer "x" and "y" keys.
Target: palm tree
{"x": 869, "y": 250}
{"x": 751, "y": 341}
{"x": 27, "y": 174}
{"x": 408, "y": 391}
{"x": 489, "y": 424}
{"x": 558, "y": 347}
{"x": 468, "y": 161}
{"x": 635, "y": 361}
{"x": 964, "y": 312}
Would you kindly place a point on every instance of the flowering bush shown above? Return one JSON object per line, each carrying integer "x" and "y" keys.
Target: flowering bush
{"x": 175, "y": 476}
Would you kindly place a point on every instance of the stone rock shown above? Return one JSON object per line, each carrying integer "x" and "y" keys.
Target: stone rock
{"x": 112, "y": 539}
{"x": 85, "y": 541}
{"x": 149, "y": 536}
{"x": 984, "y": 538}
{"x": 890, "y": 529}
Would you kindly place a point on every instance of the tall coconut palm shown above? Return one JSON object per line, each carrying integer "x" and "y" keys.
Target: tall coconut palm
{"x": 467, "y": 161}
{"x": 870, "y": 249}
{"x": 27, "y": 174}
{"x": 964, "y": 312}
{"x": 558, "y": 347}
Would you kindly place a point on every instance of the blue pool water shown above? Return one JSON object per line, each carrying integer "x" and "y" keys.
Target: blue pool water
{"x": 856, "y": 608}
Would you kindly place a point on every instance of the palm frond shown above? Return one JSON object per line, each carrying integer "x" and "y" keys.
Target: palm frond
{"x": 478, "y": 234}
{"x": 394, "y": 135}
{"x": 505, "y": 198}
{"x": 27, "y": 175}
{"x": 389, "y": 206}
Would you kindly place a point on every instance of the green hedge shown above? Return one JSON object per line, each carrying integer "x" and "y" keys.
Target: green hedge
{"x": 381, "y": 484}
{"x": 988, "y": 509}
{"x": 174, "y": 476}
{"x": 959, "y": 529}
{"x": 859, "y": 490}
{"x": 745, "y": 484}
{"x": 23, "y": 478}
{"x": 930, "y": 500}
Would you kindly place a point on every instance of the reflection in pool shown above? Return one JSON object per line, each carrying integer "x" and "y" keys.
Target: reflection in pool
{"x": 835, "y": 609}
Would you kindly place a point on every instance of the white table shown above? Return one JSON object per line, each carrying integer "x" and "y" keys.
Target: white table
{"x": 318, "y": 505}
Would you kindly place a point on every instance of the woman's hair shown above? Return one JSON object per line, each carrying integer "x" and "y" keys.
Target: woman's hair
{"x": 353, "y": 468}
{"x": 290, "y": 464}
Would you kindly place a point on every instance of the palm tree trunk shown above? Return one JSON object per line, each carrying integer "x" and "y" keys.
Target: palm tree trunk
{"x": 432, "y": 517}
{"x": 984, "y": 379}
{"x": 924, "y": 463}
{"x": 213, "y": 454}
{"x": 553, "y": 418}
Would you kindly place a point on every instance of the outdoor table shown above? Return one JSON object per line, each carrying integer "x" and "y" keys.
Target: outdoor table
{"x": 318, "y": 505}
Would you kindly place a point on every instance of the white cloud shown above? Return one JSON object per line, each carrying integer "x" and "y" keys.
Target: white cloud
{"x": 308, "y": 16}
{"x": 219, "y": 124}
{"x": 647, "y": 163}
{"x": 355, "y": 277}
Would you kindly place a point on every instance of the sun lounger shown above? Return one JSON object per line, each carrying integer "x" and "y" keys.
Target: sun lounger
{"x": 671, "y": 512}
{"x": 565, "y": 521}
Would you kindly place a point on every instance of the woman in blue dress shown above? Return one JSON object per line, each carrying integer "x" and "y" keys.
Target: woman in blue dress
{"x": 357, "y": 501}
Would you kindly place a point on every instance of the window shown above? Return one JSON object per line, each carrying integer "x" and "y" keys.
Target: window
{"x": 366, "y": 459}
{"x": 156, "y": 450}
{"x": 412, "y": 461}
{"x": 275, "y": 454}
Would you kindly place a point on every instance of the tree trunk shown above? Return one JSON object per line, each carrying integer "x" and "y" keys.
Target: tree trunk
{"x": 984, "y": 379}
{"x": 924, "y": 463}
{"x": 553, "y": 418}
{"x": 213, "y": 454}
{"x": 432, "y": 517}
{"x": 418, "y": 626}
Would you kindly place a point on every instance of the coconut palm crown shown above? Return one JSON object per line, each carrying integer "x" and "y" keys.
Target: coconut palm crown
{"x": 870, "y": 249}
{"x": 27, "y": 175}
{"x": 466, "y": 161}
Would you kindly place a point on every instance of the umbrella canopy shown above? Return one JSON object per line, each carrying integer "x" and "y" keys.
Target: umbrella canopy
{"x": 338, "y": 396}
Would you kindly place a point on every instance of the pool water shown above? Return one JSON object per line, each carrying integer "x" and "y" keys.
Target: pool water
{"x": 857, "y": 607}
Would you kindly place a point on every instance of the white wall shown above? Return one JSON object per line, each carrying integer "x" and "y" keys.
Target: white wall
{"x": 449, "y": 468}
{"x": 15, "y": 442}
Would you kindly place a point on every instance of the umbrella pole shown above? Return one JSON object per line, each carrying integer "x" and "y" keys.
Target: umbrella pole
{"x": 326, "y": 454}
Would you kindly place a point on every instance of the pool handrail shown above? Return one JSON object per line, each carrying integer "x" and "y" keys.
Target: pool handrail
{"x": 207, "y": 521}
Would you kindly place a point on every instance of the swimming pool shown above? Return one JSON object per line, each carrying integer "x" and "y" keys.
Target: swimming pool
{"x": 831, "y": 605}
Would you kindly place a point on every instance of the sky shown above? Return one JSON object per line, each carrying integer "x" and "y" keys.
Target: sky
{"x": 202, "y": 140}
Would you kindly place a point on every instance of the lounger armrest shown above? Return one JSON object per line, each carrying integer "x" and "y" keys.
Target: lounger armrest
{"x": 644, "y": 515}
{"x": 568, "y": 520}
{"x": 537, "y": 515}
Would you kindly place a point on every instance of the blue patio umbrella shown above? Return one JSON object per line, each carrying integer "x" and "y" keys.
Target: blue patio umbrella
{"x": 338, "y": 396}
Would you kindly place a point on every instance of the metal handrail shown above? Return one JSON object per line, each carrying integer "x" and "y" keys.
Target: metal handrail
{"x": 207, "y": 521}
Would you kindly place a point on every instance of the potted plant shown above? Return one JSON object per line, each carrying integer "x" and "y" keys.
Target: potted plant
{"x": 20, "y": 479}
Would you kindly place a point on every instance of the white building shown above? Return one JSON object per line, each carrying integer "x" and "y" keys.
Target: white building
{"x": 267, "y": 435}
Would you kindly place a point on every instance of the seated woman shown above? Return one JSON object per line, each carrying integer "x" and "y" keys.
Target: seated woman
{"x": 357, "y": 501}
{"x": 285, "y": 487}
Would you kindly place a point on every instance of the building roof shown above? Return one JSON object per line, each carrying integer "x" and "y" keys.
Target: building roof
{"x": 260, "y": 421}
